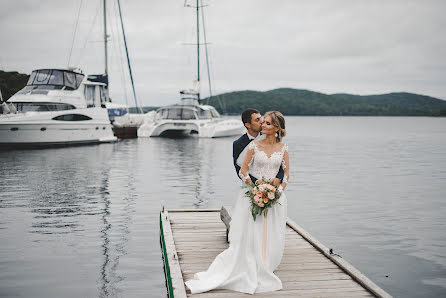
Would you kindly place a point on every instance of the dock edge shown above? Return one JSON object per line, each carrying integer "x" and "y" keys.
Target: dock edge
{"x": 354, "y": 273}
{"x": 172, "y": 270}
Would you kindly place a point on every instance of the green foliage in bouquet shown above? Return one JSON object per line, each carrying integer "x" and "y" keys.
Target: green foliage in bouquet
{"x": 263, "y": 195}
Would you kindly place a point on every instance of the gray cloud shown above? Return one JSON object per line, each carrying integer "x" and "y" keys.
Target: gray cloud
{"x": 355, "y": 46}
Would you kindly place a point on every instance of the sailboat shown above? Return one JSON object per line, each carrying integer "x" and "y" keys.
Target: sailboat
{"x": 125, "y": 124}
{"x": 189, "y": 117}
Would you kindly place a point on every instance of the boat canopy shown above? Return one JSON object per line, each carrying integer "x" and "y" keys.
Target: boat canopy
{"x": 208, "y": 112}
{"x": 50, "y": 79}
{"x": 185, "y": 112}
{"x": 178, "y": 112}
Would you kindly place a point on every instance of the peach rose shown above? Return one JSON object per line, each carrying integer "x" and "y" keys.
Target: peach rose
{"x": 271, "y": 195}
{"x": 270, "y": 187}
{"x": 258, "y": 201}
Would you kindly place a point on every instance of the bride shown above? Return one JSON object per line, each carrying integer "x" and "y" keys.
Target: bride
{"x": 256, "y": 247}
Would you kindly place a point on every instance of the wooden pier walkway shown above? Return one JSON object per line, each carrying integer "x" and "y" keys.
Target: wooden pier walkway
{"x": 191, "y": 239}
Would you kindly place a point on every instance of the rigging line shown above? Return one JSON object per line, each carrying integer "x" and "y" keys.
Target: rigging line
{"x": 89, "y": 32}
{"x": 198, "y": 50}
{"x": 128, "y": 59}
{"x": 207, "y": 62}
{"x": 74, "y": 35}
{"x": 121, "y": 54}
{"x": 116, "y": 43}
{"x": 207, "y": 55}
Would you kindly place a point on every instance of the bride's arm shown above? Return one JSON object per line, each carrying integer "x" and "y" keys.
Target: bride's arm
{"x": 243, "y": 173}
{"x": 286, "y": 168}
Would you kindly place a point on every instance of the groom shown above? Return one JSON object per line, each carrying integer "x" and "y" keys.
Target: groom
{"x": 252, "y": 120}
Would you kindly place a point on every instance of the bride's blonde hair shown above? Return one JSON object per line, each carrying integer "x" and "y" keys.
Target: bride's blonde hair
{"x": 277, "y": 120}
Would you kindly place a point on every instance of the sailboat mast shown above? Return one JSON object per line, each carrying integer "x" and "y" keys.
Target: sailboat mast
{"x": 198, "y": 47}
{"x": 105, "y": 38}
{"x": 128, "y": 59}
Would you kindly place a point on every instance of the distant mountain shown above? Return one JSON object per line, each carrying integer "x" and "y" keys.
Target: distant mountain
{"x": 309, "y": 103}
{"x": 11, "y": 82}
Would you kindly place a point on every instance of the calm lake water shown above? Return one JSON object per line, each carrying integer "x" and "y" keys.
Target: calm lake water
{"x": 84, "y": 221}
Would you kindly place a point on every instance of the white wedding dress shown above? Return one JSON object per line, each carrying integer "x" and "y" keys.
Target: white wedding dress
{"x": 256, "y": 247}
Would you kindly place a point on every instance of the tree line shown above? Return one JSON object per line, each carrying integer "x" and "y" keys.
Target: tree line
{"x": 309, "y": 103}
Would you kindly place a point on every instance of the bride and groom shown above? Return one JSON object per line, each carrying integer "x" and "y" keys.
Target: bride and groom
{"x": 256, "y": 246}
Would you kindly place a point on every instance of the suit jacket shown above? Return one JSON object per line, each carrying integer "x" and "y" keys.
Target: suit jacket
{"x": 237, "y": 148}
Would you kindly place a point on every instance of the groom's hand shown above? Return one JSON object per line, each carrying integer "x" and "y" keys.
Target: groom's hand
{"x": 276, "y": 182}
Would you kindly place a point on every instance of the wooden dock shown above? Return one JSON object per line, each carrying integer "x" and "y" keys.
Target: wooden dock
{"x": 191, "y": 239}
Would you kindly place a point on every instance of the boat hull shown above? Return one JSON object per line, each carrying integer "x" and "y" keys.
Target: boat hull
{"x": 195, "y": 128}
{"x": 168, "y": 129}
{"x": 125, "y": 132}
{"x": 39, "y": 130}
{"x": 126, "y": 126}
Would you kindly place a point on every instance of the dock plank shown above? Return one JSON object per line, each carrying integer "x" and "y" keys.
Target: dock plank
{"x": 307, "y": 268}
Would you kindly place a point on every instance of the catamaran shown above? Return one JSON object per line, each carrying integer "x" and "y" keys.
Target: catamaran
{"x": 189, "y": 117}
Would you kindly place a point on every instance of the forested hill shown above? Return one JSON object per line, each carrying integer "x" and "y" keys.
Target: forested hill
{"x": 304, "y": 102}
{"x": 11, "y": 82}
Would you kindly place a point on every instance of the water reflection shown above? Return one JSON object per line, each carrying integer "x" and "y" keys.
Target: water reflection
{"x": 83, "y": 221}
{"x": 67, "y": 192}
{"x": 188, "y": 167}
{"x": 64, "y": 186}
{"x": 115, "y": 231}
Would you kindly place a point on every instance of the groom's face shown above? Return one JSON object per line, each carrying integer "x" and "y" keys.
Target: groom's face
{"x": 256, "y": 122}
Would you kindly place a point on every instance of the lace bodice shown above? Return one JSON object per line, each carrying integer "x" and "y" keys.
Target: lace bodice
{"x": 262, "y": 165}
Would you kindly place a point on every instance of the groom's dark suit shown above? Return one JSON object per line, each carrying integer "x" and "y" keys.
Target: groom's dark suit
{"x": 238, "y": 146}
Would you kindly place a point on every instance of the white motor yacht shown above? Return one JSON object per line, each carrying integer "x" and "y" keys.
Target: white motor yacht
{"x": 189, "y": 118}
{"x": 56, "y": 107}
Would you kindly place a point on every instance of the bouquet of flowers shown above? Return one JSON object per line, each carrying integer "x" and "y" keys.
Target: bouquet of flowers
{"x": 263, "y": 196}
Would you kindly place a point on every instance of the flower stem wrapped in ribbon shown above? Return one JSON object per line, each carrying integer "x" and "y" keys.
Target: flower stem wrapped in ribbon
{"x": 263, "y": 196}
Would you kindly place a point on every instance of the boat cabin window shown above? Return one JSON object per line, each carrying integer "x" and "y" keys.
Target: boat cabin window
{"x": 70, "y": 79}
{"x": 177, "y": 113}
{"x": 204, "y": 114}
{"x": 89, "y": 95}
{"x": 24, "y": 107}
{"x": 57, "y": 78}
{"x": 95, "y": 95}
{"x": 164, "y": 113}
{"x": 72, "y": 117}
{"x": 102, "y": 95}
{"x": 188, "y": 114}
{"x": 79, "y": 78}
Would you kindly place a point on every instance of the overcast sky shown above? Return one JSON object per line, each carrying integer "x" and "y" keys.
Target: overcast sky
{"x": 330, "y": 46}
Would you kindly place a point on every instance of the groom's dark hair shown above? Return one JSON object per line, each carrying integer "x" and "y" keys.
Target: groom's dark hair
{"x": 246, "y": 115}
